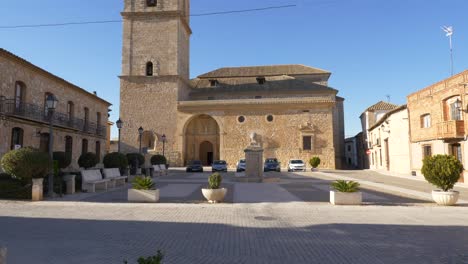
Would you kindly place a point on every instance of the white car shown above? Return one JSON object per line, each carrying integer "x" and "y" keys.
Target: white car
{"x": 240, "y": 165}
{"x": 296, "y": 165}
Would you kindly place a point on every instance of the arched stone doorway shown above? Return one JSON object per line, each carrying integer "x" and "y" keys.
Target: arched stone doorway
{"x": 202, "y": 140}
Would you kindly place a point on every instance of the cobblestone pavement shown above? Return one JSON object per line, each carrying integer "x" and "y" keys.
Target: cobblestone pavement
{"x": 287, "y": 220}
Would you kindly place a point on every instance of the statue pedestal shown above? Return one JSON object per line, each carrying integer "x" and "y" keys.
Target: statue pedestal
{"x": 253, "y": 164}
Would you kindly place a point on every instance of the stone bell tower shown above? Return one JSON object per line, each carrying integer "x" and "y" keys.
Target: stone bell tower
{"x": 155, "y": 71}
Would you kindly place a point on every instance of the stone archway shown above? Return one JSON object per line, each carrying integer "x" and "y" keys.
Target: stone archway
{"x": 202, "y": 139}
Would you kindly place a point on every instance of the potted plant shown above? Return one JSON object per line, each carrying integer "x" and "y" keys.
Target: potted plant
{"x": 214, "y": 194}
{"x": 314, "y": 163}
{"x": 345, "y": 193}
{"x": 143, "y": 190}
{"x": 443, "y": 171}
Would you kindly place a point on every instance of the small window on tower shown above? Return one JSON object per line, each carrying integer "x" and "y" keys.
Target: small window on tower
{"x": 214, "y": 83}
{"x": 151, "y": 2}
{"x": 261, "y": 80}
{"x": 149, "y": 68}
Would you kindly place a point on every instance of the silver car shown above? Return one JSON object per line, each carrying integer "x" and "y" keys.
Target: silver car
{"x": 219, "y": 165}
{"x": 296, "y": 165}
{"x": 240, "y": 165}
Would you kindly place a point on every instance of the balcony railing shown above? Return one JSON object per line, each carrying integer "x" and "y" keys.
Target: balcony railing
{"x": 451, "y": 129}
{"x": 37, "y": 113}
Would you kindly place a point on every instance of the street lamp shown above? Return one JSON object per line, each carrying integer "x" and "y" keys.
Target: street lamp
{"x": 164, "y": 143}
{"x": 51, "y": 103}
{"x": 119, "y": 126}
{"x": 140, "y": 132}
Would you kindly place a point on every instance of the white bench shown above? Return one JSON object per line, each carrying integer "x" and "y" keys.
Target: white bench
{"x": 91, "y": 178}
{"x": 156, "y": 171}
{"x": 163, "y": 168}
{"x": 113, "y": 175}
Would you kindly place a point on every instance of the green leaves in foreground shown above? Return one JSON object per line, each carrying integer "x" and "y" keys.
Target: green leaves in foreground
{"x": 150, "y": 260}
{"x": 143, "y": 183}
{"x": 345, "y": 186}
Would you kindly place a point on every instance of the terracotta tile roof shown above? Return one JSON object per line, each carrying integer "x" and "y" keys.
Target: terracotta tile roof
{"x": 384, "y": 117}
{"x": 272, "y": 70}
{"x": 8, "y": 54}
{"x": 381, "y": 106}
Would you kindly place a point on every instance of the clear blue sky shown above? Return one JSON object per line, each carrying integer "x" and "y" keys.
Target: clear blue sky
{"x": 372, "y": 47}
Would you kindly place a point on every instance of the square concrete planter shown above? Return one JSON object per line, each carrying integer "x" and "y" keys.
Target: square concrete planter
{"x": 143, "y": 196}
{"x": 342, "y": 198}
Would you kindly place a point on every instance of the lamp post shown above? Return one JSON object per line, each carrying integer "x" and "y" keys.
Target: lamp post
{"x": 164, "y": 143}
{"x": 51, "y": 103}
{"x": 119, "y": 126}
{"x": 140, "y": 133}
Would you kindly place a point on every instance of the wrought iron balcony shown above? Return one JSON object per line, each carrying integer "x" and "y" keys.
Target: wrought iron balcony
{"x": 451, "y": 129}
{"x": 33, "y": 112}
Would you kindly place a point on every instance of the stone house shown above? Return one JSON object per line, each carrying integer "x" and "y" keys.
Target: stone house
{"x": 437, "y": 125}
{"x": 368, "y": 118}
{"x": 291, "y": 108}
{"x": 389, "y": 142}
{"x": 80, "y": 122}
{"x": 351, "y": 153}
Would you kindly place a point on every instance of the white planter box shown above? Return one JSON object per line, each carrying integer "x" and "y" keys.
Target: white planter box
{"x": 143, "y": 196}
{"x": 445, "y": 198}
{"x": 341, "y": 198}
{"x": 214, "y": 195}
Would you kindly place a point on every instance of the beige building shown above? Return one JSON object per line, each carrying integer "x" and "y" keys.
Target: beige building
{"x": 437, "y": 125}
{"x": 291, "y": 108}
{"x": 389, "y": 142}
{"x": 368, "y": 118}
{"x": 80, "y": 119}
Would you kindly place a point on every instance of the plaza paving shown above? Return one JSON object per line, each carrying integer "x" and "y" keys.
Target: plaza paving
{"x": 287, "y": 220}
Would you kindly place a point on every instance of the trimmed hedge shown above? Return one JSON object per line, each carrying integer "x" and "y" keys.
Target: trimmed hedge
{"x": 131, "y": 157}
{"x": 15, "y": 189}
{"x": 115, "y": 160}
{"x": 64, "y": 159}
{"x": 314, "y": 162}
{"x": 442, "y": 171}
{"x": 158, "y": 159}
{"x": 26, "y": 163}
{"x": 88, "y": 160}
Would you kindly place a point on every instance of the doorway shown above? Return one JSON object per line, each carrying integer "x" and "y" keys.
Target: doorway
{"x": 206, "y": 153}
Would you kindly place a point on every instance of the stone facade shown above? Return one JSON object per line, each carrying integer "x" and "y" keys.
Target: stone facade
{"x": 389, "y": 142}
{"x": 437, "y": 126}
{"x": 23, "y": 88}
{"x": 290, "y": 107}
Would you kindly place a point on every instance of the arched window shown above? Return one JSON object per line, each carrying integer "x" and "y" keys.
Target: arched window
{"x": 151, "y": 2}
{"x": 84, "y": 146}
{"x": 19, "y": 95}
{"x": 69, "y": 145}
{"x": 86, "y": 119}
{"x": 16, "y": 138}
{"x": 149, "y": 68}
{"x": 98, "y": 123}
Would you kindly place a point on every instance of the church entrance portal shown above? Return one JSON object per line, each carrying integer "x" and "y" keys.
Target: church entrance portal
{"x": 202, "y": 140}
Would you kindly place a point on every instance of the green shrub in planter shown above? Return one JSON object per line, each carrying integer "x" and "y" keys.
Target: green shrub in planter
{"x": 215, "y": 180}
{"x": 143, "y": 183}
{"x": 442, "y": 171}
{"x": 345, "y": 186}
{"x": 26, "y": 163}
{"x": 88, "y": 160}
{"x": 314, "y": 162}
{"x": 115, "y": 160}
{"x": 63, "y": 159}
{"x": 158, "y": 159}
{"x": 132, "y": 157}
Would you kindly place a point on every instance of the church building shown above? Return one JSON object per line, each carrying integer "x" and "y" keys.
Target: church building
{"x": 290, "y": 108}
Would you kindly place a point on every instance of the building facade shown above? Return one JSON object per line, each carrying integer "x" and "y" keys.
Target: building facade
{"x": 290, "y": 108}
{"x": 389, "y": 142}
{"x": 368, "y": 118}
{"x": 437, "y": 125}
{"x": 80, "y": 122}
{"x": 351, "y": 153}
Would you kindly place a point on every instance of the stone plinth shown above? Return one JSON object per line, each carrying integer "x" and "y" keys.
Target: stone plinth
{"x": 37, "y": 189}
{"x": 70, "y": 183}
{"x": 253, "y": 164}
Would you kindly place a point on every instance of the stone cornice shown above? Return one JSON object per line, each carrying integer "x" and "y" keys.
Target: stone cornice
{"x": 291, "y": 103}
{"x": 172, "y": 13}
{"x": 164, "y": 78}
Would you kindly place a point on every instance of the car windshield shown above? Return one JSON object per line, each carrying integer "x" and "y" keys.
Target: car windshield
{"x": 219, "y": 162}
{"x": 297, "y": 162}
{"x": 271, "y": 161}
{"x": 242, "y": 161}
{"x": 196, "y": 162}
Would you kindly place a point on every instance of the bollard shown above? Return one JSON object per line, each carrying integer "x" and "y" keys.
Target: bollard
{"x": 3, "y": 255}
{"x": 37, "y": 189}
{"x": 70, "y": 183}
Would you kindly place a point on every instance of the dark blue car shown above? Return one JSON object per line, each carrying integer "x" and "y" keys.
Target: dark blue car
{"x": 194, "y": 165}
{"x": 271, "y": 164}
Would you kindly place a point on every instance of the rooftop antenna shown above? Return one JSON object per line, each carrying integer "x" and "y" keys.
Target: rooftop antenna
{"x": 388, "y": 98}
{"x": 449, "y": 32}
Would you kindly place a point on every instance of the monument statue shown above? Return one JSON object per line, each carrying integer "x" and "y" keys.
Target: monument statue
{"x": 253, "y": 140}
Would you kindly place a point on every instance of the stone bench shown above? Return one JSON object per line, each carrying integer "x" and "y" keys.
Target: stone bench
{"x": 114, "y": 176}
{"x": 91, "y": 178}
{"x": 159, "y": 170}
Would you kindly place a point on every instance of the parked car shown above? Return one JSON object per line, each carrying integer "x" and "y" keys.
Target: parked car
{"x": 194, "y": 165}
{"x": 219, "y": 165}
{"x": 240, "y": 165}
{"x": 296, "y": 165}
{"x": 271, "y": 164}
